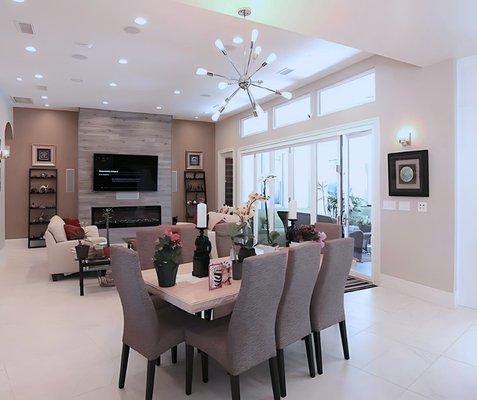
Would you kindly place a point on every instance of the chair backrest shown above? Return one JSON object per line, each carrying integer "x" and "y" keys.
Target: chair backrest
{"x": 146, "y": 243}
{"x": 333, "y": 231}
{"x": 325, "y": 218}
{"x": 327, "y": 307}
{"x": 302, "y": 218}
{"x": 293, "y": 316}
{"x": 251, "y": 334}
{"x": 222, "y": 238}
{"x": 141, "y": 327}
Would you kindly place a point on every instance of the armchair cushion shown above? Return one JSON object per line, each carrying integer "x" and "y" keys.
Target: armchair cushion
{"x": 72, "y": 221}
{"x": 74, "y": 232}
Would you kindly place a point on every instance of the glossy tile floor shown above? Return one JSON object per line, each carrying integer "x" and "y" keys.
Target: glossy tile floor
{"x": 56, "y": 345}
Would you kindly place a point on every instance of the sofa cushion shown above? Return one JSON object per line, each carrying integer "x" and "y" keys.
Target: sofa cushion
{"x": 56, "y": 229}
{"x": 74, "y": 232}
{"x": 72, "y": 221}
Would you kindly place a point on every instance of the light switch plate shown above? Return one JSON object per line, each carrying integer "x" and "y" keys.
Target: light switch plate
{"x": 422, "y": 206}
{"x": 404, "y": 206}
{"x": 389, "y": 205}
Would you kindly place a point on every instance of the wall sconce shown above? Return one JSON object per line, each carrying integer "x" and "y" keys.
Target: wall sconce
{"x": 4, "y": 152}
{"x": 405, "y": 141}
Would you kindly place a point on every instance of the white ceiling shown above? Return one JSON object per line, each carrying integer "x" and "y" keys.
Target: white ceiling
{"x": 163, "y": 57}
{"x": 420, "y": 32}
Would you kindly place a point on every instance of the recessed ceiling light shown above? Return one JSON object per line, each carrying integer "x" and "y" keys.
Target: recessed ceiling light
{"x": 79, "y": 57}
{"x": 132, "y": 30}
{"x": 177, "y": 91}
{"x": 19, "y": 78}
{"x": 159, "y": 107}
{"x": 237, "y": 40}
{"x": 83, "y": 44}
{"x": 105, "y": 102}
{"x": 38, "y": 76}
{"x": 196, "y": 117}
{"x": 44, "y": 97}
{"x": 30, "y": 49}
{"x": 18, "y": 1}
{"x": 140, "y": 20}
{"x": 122, "y": 61}
{"x": 77, "y": 80}
{"x": 113, "y": 84}
{"x": 47, "y": 105}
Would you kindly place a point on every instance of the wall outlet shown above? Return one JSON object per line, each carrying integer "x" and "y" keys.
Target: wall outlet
{"x": 422, "y": 206}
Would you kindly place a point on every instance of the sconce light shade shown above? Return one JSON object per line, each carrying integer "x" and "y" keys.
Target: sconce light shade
{"x": 405, "y": 141}
{"x": 4, "y": 152}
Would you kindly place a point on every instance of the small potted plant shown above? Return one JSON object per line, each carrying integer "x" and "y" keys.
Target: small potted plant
{"x": 166, "y": 258}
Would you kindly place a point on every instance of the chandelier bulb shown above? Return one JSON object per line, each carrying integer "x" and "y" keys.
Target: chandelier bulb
{"x": 254, "y": 35}
{"x": 271, "y": 58}
{"x": 222, "y": 85}
{"x": 257, "y": 51}
{"x": 201, "y": 71}
{"x": 220, "y": 45}
{"x": 216, "y": 116}
{"x": 287, "y": 95}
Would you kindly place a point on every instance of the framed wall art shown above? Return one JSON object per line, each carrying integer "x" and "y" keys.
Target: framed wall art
{"x": 43, "y": 155}
{"x": 408, "y": 173}
{"x": 194, "y": 160}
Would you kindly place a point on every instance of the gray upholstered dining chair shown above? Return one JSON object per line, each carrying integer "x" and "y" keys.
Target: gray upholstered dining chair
{"x": 147, "y": 330}
{"x": 293, "y": 316}
{"x": 247, "y": 337}
{"x": 332, "y": 231}
{"x": 327, "y": 303}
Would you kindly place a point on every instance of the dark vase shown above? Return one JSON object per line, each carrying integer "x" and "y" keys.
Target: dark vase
{"x": 82, "y": 251}
{"x": 166, "y": 272}
{"x": 243, "y": 253}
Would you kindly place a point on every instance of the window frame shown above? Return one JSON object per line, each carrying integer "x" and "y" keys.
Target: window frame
{"x": 342, "y": 82}
{"x": 285, "y": 103}
{"x": 242, "y": 135}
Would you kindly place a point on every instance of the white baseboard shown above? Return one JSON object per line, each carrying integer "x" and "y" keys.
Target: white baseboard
{"x": 436, "y": 296}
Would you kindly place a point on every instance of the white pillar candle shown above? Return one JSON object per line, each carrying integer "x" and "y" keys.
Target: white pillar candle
{"x": 201, "y": 215}
{"x": 292, "y": 209}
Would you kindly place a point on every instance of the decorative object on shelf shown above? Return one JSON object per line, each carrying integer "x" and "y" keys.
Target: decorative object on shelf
{"x": 4, "y": 152}
{"x": 43, "y": 155}
{"x": 244, "y": 76}
{"x": 194, "y": 160}
{"x": 219, "y": 274}
{"x": 408, "y": 173}
{"x": 203, "y": 247}
{"x": 195, "y": 192}
{"x": 166, "y": 258}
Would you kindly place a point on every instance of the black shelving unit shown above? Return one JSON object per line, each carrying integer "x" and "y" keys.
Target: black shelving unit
{"x": 195, "y": 192}
{"x": 42, "y": 203}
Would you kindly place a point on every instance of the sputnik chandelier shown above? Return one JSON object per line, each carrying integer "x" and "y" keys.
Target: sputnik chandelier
{"x": 244, "y": 79}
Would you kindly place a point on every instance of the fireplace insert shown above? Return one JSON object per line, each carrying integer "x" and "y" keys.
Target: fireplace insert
{"x": 126, "y": 216}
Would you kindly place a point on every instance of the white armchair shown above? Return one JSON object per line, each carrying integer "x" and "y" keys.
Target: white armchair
{"x": 60, "y": 251}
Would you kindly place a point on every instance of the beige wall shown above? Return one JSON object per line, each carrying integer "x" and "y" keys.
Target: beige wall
{"x": 6, "y": 115}
{"x": 417, "y": 247}
{"x": 192, "y": 136}
{"x": 33, "y": 126}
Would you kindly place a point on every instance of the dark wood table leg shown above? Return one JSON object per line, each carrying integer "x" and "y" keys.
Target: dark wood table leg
{"x": 81, "y": 278}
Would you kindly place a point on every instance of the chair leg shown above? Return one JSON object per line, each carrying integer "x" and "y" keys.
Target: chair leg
{"x": 235, "y": 387}
{"x": 158, "y": 361}
{"x": 124, "y": 365}
{"x": 344, "y": 339}
{"x": 205, "y": 367}
{"x": 309, "y": 355}
{"x": 273, "y": 363}
{"x": 174, "y": 355}
{"x": 281, "y": 372}
{"x": 319, "y": 359}
{"x": 151, "y": 369}
{"x": 189, "y": 368}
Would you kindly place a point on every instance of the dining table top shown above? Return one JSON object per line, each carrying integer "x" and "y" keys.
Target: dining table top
{"x": 190, "y": 293}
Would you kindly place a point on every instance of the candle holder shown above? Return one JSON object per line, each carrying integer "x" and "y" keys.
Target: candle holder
{"x": 201, "y": 260}
{"x": 291, "y": 233}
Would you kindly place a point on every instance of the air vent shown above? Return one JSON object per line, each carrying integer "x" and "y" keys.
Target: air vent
{"x": 25, "y": 27}
{"x": 205, "y": 95}
{"x": 42, "y": 88}
{"x": 285, "y": 71}
{"x": 22, "y": 100}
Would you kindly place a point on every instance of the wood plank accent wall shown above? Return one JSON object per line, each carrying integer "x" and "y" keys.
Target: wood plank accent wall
{"x": 102, "y": 131}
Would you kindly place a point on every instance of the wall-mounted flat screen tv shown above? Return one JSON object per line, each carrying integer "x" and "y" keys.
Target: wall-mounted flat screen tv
{"x": 124, "y": 173}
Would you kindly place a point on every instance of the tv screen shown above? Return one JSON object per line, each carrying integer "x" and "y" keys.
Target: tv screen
{"x": 124, "y": 172}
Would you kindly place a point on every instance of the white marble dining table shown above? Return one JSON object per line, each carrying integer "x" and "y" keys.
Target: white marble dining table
{"x": 190, "y": 293}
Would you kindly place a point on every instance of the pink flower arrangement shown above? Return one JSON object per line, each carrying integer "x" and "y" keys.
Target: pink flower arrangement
{"x": 168, "y": 247}
{"x": 307, "y": 233}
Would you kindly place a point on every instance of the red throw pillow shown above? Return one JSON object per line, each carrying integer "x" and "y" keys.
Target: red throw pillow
{"x": 72, "y": 221}
{"x": 74, "y": 232}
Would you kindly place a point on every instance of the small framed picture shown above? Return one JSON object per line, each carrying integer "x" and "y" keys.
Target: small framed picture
{"x": 43, "y": 155}
{"x": 194, "y": 160}
{"x": 408, "y": 173}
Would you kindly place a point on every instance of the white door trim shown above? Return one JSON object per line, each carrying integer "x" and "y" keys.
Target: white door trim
{"x": 220, "y": 165}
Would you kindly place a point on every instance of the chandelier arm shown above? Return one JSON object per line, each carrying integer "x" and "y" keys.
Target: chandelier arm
{"x": 227, "y": 100}
{"x": 231, "y": 62}
{"x": 258, "y": 69}
{"x": 249, "y": 58}
{"x": 211, "y": 74}
{"x": 252, "y": 102}
{"x": 266, "y": 88}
